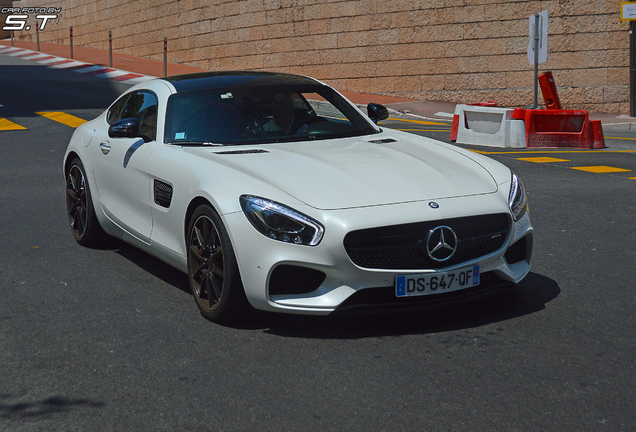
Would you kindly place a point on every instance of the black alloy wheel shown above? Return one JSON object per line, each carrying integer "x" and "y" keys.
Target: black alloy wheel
{"x": 79, "y": 206}
{"x": 212, "y": 268}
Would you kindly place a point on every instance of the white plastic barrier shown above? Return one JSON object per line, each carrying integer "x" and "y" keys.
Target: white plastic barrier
{"x": 488, "y": 126}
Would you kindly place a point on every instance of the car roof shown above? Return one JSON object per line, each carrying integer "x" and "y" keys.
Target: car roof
{"x": 212, "y": 80}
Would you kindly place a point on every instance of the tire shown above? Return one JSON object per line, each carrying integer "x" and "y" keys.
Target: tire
{"x": 212, "y": 269}
{"x": 79, "y": 207}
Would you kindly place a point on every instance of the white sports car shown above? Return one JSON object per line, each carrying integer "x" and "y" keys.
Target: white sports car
{"x": 273, "y": 190}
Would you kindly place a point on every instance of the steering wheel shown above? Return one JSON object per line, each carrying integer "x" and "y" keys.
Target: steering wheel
{"x": 256, "y": 125}
{"x": 302, "y": 127}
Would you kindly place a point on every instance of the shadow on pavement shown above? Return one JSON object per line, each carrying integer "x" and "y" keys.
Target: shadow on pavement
{"x": 20, "y": 411}
{"x": 51, "y": 89}
{"x": 528, "y": 297}
{"x": 152, "y": 265}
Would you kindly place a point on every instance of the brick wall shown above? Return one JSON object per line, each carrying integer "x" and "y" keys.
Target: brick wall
{"x": 449, "y": 50}
{"x": 4, "y": 3}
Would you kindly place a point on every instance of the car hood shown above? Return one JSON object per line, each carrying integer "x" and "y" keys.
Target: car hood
{"x": 355, "y": 172}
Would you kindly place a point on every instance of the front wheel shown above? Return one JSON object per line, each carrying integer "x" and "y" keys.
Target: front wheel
{"x": 212, "y": 268}
{"x": 79, "y": 207}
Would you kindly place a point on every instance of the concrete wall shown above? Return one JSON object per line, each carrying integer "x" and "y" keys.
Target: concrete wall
{"x": 450, "y": 50}
{"x": 4, "y": 3}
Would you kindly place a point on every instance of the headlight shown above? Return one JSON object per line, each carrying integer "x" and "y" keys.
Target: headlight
{"x": 280, "y": 222}
{"x": 517, "y": 200}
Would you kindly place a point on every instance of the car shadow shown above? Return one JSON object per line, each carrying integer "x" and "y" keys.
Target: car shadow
{"x": 149, "y": 263}
{"x": 529, "y": 296}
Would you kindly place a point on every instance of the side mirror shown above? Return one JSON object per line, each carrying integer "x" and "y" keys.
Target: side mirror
{"x": 377, "y": 112}
{"x": 125, "y": 128}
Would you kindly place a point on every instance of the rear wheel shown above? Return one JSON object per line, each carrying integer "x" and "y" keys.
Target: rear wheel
{"x": 79, "y": 206}
{"x": 212, "y": 268}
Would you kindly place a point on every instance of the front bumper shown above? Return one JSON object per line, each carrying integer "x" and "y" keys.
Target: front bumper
{"x": 346, "y": 286}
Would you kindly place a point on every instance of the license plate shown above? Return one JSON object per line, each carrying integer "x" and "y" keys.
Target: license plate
{"x": 436, "y": 283}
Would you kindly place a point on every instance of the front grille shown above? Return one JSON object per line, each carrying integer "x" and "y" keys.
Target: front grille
{"x": 403, "y": 247}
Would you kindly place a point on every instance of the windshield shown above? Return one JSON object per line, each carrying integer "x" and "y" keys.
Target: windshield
{"x": 252, "y": 114}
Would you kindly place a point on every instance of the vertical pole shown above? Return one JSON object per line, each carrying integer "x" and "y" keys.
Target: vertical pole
{"x": 110, "y": 48}
{"x": 37, "y": 35}
{"x": 11, "y": 37}
{"x": 632, "y": 69}
{"x": 71, "y": 33}
{"x": 536, "y": 60}
{"x": 165, "y": 56}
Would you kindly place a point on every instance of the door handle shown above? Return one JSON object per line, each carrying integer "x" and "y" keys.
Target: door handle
{"x": 105, "y": 148}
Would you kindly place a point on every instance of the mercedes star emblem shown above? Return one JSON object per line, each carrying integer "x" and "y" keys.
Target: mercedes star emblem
{"x": 441, "y": 243}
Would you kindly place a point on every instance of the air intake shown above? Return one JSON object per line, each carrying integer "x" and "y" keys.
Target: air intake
{"x": 234, "y": 152}
{"x": 383, "y": 141}
{"x": 163, "y": 193}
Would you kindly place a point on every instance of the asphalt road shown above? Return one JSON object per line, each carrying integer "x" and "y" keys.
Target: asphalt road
{"x": 111, "y": 339}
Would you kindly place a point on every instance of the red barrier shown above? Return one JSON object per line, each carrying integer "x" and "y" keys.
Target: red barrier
{"x": 552, "y": 127}
{"x": 454, "y": 128}
{"x": 560, "y": 128}
{"x": 549, "y": 90}
{"x": 597, "y": 134}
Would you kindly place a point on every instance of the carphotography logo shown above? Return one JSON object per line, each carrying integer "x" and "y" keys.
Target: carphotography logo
{"x": 16, "y": 19}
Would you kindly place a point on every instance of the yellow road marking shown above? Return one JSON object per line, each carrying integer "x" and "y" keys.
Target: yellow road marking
{"x": 600, "y": 169}
{"x": 632, "y": 178}
{"x": 423, "y": 130}
{"x": 60, "y": 117}
{"x": 542, "y": 159}
{"x": 554, "y": 151}
{"x": 620, "y": 138}
{"x": 424, "y": 122}
{"x": 9, "y": 125}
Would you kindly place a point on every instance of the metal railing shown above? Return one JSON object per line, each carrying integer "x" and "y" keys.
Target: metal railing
{"x": 110, "y": 46}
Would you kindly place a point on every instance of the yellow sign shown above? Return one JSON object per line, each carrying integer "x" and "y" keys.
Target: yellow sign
{"x": 628, "y": 11}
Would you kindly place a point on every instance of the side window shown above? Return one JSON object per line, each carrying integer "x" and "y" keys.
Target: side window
{"x": 141, "y": 105}
{"x": 146, "y": 113}
{"x": 114, "y": 113}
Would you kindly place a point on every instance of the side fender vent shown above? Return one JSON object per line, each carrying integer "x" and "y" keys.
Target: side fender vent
{"x": 163, "y": 193}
